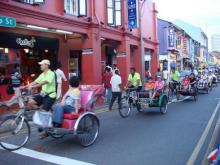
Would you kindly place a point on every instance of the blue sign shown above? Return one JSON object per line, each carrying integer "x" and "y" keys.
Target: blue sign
{"x": 132, "y": 14}
{"x": 171, "y": 38}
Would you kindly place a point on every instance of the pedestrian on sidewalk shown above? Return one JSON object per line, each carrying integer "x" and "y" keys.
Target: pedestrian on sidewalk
{"x": 116, "y": 89}
{"x": 60, "y": 78}
{"x": 114, "y": 68}
{"x": 16, "y": 82}
{"x": 106, "y": 80}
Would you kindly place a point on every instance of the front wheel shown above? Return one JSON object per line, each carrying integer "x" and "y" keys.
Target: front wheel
{"x": 87, "y": 130}
{"x": 164, "y": 106}
{"x": 14, "y": 132}
{"x": 125, "y": 108}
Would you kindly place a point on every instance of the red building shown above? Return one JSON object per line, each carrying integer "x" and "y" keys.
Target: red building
{"x": 84, "y": 35}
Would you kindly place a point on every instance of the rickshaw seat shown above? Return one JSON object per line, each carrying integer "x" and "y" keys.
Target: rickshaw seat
{"x": 85, "y": 97}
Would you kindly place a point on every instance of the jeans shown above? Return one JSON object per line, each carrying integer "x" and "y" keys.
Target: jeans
{"x": 59, "y": 110}
{"x": 16, "y": 98}
{"x": 108, "y": 92}
{"x": 115, "y": 95}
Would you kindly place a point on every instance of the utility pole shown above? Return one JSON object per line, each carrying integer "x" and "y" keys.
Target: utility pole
{"x": 142, "y": 41}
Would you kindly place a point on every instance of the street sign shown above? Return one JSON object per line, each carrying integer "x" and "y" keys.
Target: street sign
{"x": 132, "y": 14}
{"x": 7, "y": 21}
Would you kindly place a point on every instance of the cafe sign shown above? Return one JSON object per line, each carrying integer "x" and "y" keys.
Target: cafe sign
{"x": 7, "y": 22}
{"x": 26, "y": 42}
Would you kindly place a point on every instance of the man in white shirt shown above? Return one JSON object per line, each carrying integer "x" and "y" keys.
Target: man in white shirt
{"x": 116, "y": 90}
{"x": 60, "y": 76}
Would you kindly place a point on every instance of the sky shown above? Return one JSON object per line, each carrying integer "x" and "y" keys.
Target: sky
{"x": 201, "y": 13}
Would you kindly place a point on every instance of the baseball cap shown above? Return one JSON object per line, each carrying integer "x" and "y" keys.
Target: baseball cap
{"x": 46, "y": 62}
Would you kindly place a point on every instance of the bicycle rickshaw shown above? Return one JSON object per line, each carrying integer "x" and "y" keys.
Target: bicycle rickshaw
{"x": 192, "y": 92}
{"x": 83, "y": 125}
{"x": 141, "y": 101}
{"x": 203, "y": 85}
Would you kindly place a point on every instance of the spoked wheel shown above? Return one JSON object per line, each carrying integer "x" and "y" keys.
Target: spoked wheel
{"x": 14, "y": 133}
{"x": 164, "y": 106}
{"x": 125, "y": 109}
{"x": 87, "y": 130}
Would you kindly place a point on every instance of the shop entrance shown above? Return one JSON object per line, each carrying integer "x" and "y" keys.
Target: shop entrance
{"x": 75, "y": 63}
{"x": 110, "y": 57}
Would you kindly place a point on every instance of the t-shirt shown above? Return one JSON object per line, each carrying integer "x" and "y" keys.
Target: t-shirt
{"x": 149, "y": 85}
{"x": 71, "y": 96}
{"x": 175, "y": 76}
{"x": 165, "y": 74}
{"x": 60, "y": 75}
{"x": 50, "y": 86}
{"x": 115, "y": 82}
{"x": 186, "y": 81}
{"x": 16, "y": 79}
{"x": 106, "y": 79}
{"x": 159, "y": 85}
{"x": 134, "y": 79}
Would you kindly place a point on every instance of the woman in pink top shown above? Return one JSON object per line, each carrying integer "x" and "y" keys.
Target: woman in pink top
{"x": 159, "y": 85}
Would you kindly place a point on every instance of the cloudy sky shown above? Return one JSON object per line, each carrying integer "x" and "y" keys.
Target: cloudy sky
{"x": 202, "y": 13}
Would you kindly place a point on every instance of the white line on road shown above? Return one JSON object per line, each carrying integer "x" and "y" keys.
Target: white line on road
{"x": 47, "y": 157}
{"x": 199, "y": 145}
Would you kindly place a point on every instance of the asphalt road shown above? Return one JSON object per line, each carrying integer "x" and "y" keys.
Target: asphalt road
{"x": 142, "y": 139}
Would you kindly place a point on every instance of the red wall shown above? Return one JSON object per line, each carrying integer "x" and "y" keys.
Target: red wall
{"x": 51, "y": 15}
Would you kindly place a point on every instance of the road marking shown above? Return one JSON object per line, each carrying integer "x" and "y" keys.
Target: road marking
{"x": 212, "y": 142}
{"x": 199, "y": 145}
{"x": 47, "y": 157}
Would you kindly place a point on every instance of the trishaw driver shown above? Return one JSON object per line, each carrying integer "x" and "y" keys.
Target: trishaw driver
{"x": 175, "y": 77}
{"x": 134, "y": 79}
{"x": 47, "y": 82}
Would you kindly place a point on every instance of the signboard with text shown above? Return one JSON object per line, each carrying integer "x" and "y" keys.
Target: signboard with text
{"x": 132, "y": 14}
{"x": 170, "y": 38}
{"x": 7, "y": 21}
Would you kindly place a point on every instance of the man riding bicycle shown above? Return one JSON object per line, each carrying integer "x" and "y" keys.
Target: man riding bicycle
{"x": 47, "y": 82}
{"x": 134, "y": 80}
{"x": 175, "y": 77}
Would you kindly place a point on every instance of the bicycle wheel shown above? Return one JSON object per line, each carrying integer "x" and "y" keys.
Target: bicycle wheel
{"x": 14, "y": 132}
{"x": 125, "y": 109}
{"x": 164, "y": 106}
{"x": 87, "y": 130}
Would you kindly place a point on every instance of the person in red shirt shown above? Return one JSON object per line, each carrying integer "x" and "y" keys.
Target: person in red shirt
{"x": 106, "y": 80}
{"x": 186, "y": 83}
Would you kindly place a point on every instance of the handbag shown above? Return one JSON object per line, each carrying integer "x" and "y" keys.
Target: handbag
{"x": 42, "y": 119}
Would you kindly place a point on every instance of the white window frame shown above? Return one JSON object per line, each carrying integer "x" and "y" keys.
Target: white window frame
{"x": 75, "y": 7}
{"x": 114, "y": 14}
{"x": 32, "y": 1}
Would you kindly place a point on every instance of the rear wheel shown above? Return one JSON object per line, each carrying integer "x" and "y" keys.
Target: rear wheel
{"x": 164, "y": 105}
{"x": 14, "y": 132}
{"x": 125, "y": 108}
{"x": 87, "y": 130}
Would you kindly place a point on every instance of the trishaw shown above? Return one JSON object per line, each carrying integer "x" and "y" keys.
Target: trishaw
{"x": 192, "y": 92}
{"x": 141, "y": 101}
{"x": 203, "y": 85}
{"x": 15, "y": 129}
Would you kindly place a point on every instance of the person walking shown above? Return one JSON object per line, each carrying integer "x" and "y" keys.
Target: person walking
{"x": 60, "y": 78}
{"x": 114, "y": 68}
{"x": 16, "y": 82}
{"x": 116, "y": 89}
{"x": 106, "y": 80}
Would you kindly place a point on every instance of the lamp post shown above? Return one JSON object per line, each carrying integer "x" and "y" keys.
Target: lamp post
{"x": 142, "y": 40}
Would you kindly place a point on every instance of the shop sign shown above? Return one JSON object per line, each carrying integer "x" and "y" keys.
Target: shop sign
{"x": 87, "y": 51}
{"x": 171, "y": 38}
{"x": 121, "y": 54}
{"x": 132, "y": 14}
{"x": 7, "y": 21}
{"x": 26, "y": 42}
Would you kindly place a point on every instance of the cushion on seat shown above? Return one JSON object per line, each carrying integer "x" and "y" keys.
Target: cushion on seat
{"x": 71, "y": 116}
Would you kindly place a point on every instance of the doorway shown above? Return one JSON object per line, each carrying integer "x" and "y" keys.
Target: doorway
{"x": 75, "y": 63}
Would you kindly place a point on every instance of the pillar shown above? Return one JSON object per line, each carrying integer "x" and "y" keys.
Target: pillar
{"x": 91, "y": 58}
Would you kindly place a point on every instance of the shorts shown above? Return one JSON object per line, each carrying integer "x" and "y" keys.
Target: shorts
{"x": 46, "y": 102}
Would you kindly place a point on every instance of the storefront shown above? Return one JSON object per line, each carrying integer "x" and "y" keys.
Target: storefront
{"x": 26, "y": 50}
